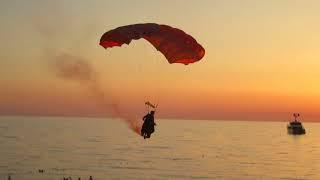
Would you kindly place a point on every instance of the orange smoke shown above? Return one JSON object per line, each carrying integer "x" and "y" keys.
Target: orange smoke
{"x": 78, "y": 69}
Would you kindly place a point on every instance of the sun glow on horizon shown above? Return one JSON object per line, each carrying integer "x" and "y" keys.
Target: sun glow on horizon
{"x": 261, "y": 61}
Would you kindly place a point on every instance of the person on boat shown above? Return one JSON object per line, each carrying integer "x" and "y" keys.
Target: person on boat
{"x": 148, "y": 125}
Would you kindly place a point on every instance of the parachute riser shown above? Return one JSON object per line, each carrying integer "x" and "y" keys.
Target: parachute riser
{"x": 150, "y": 106}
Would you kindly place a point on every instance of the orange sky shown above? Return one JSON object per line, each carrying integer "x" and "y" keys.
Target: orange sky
{"x": 261, "y": 62}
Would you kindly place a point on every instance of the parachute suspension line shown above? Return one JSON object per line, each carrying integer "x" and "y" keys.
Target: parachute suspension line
{"x": 159, "y": 63}
{"x": 153, "y": 58}
{"x": 146, "y": 71}
{"x": 147, "y": 109}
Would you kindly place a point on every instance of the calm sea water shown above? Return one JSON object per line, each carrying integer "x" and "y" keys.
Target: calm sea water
{"x": 179, "y": 149}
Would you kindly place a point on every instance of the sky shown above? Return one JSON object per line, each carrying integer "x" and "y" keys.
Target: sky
{"x": 261, "y": 61}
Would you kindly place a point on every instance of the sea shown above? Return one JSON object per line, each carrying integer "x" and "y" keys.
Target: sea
{"x": 179, "y": 149}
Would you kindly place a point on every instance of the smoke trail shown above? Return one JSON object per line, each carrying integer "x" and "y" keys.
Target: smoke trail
{"x": 78, "y": 69}
{"x": 70, "y": 67}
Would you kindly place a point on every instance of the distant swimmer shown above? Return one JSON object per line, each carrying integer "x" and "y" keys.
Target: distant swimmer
{"x": 148, "y": 125}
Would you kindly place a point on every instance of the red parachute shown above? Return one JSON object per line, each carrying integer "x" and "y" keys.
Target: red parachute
{"x": 174, "y": 44}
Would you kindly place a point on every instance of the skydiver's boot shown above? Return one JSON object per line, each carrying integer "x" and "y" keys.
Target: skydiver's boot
{"x": 143, "y": 132}
{"x": 148, "y": 135}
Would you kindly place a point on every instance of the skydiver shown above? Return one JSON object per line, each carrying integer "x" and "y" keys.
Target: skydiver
{"x": 148, "y": 125}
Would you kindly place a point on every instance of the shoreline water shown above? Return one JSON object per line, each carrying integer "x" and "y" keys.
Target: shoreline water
{"x": 179, "y": 149}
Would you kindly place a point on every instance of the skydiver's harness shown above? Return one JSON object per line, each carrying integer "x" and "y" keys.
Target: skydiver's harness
{"x": 151, "y": 107}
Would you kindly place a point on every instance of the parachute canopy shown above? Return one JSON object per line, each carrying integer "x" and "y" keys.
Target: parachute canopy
{"x": 174, "y": 44}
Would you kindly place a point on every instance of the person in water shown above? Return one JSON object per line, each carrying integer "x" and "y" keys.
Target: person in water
{"x": 148, "y": 125}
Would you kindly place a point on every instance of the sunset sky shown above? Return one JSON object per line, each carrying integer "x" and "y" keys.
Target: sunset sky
{"x": 262, "y": 59}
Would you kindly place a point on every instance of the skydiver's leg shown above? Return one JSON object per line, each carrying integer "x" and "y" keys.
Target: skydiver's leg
{"x": 143, "y": 129}
{"x": 148, "y": 135}
{"x": 143, "y": 134}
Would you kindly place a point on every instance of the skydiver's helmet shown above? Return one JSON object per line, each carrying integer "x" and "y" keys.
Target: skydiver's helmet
{"x": 152, "y": 112}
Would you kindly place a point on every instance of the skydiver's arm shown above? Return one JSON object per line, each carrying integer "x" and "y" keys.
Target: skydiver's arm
{"x": 144, "y": 118}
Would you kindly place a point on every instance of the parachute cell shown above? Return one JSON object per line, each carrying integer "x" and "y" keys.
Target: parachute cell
{"x": 174, "y": 44}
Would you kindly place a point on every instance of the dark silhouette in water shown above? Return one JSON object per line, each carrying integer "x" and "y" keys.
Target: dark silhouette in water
{"x": 148, "y": 125}
{"x": 295, "y": 127}
{"x": 90, "y": 178}
{"x": 9, "y": 177}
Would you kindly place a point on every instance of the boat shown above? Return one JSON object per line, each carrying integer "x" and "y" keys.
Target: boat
{"x": 295, "y": 127}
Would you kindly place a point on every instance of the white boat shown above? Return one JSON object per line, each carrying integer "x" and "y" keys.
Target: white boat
{"x": 295, "y": 127}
